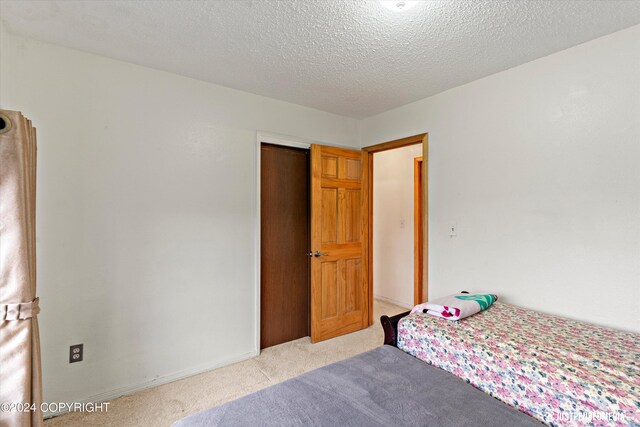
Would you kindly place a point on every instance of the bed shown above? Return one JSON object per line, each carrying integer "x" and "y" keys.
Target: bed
{"x": 559, "y": 371}
{"x": 506, "y": 366}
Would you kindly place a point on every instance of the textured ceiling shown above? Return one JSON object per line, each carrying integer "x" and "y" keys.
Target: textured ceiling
{"x": 354, "y": 58}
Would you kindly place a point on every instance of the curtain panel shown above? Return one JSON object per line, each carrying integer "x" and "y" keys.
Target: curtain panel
{"x": 20, "y": 370}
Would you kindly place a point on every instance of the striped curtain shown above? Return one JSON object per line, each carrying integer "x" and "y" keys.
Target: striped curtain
{"x": 20, "y": 372}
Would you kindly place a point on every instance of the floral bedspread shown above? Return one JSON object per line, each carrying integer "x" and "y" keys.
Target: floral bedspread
{"x": 560, "y": 371}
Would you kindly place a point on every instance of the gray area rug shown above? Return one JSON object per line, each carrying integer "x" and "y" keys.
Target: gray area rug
{"x": 384, "y": 386}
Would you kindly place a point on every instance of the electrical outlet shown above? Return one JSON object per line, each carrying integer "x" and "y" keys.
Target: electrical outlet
{"x": 75, "y": 353}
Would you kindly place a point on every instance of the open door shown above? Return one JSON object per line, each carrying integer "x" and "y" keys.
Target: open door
{"x": 339, "y": 227}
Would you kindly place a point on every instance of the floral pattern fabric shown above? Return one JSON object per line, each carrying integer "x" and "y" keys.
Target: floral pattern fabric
{"x": 560, "y": 371}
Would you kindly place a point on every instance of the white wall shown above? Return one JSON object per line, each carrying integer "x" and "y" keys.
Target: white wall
{"x": 539, "y": 168}
{"x": 146, "y": 214}
{"x": 393, "y": 224}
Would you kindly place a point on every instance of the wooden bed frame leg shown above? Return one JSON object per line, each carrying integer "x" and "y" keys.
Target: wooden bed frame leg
{"x": 390, "y": 328}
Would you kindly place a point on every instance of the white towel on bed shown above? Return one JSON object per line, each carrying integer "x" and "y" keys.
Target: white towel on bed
{"x": 457, "y": 306}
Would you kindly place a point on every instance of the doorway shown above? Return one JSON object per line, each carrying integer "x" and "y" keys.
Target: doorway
{"x": 335, "y": 248}
{"x": 403, "y": 219}
{"x": 345, "y": 304}
{"x": 284, "y": 244}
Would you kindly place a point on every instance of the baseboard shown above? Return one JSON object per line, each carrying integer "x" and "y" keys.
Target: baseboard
{"x": 163, "y": 379}
{"x": 392, "y": 301}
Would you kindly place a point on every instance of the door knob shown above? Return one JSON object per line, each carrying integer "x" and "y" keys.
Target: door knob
{"x": 319, "y": 254}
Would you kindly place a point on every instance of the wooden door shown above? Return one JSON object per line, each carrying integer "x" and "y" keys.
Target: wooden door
{"x": 418, "y": 246}
{"x": 284, "y": 241}
{"x": 339, "y": 227}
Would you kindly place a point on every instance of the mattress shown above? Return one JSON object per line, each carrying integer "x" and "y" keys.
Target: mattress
{"x": 382, "y": 387}
{"x": 559, "y": 371}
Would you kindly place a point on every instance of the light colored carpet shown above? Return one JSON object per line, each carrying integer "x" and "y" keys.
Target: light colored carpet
{"x": 165, "y": 404}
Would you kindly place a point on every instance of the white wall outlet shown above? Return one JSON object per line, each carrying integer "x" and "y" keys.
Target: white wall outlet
{"x": 453, "y": 230}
